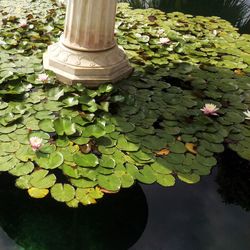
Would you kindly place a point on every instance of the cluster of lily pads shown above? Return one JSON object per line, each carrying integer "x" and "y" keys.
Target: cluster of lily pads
{"x": 187, "y": 99}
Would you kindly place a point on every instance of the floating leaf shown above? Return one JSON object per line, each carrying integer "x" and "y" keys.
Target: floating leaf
{"x": 107, "y": 161}
{"x": 22, "y": 168}
{"x": 46, "y": 125}
{"x": 123, "y": 144}
{"x": 127, "y": 180}
{"x": 62, "y": 192}
{"x": 54, "y": 160}
{"x": 161, "y": 166}
{"x": 23, "y": 182}
{"x": 191, "y": 148}
{"x": 165, "y": 180}
{"x": 162, "y": 152}
{"x": 189, "y": 178}
{"x": 146, "y": 175}
{"x": 86, "y": 160}
{"x": 41, "y": 179}
{"x": 38, "y": 193}
{"x": 111, "y": 182}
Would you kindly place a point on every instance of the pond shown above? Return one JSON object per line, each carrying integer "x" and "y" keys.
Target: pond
{"x": 210, "y": 215}
{"x": 235, "y": 11}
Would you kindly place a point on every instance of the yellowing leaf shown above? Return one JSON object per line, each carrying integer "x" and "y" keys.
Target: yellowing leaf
{"x": 162, "y": 152}
{"x": 239, "y": 72}
{"x": 191, "y": 147}
{"x": 38, "y": 193}
{"x": 103, "y": 190}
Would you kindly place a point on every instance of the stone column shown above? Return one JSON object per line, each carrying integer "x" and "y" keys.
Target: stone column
{"x": 87, "y": 51}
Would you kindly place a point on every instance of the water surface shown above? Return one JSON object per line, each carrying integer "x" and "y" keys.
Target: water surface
{"x": 211, "y": 215}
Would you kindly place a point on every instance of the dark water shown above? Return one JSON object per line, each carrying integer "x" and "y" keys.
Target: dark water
{"x": 211, "y": 215}
{"x": 235, "y": 11}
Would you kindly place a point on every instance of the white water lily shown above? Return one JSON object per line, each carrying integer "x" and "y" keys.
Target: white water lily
{"x": 247, "y": 114}
{"x": 35, "y": 142}
{"x": 2, "y": 42}
{"x": 164, "y": 40}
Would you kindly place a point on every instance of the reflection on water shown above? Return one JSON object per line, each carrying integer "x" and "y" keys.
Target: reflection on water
{"x": 190, "y": 217}
{"x": 193, "y": 217}
{"x": 235, "y": 11}
{"x": 233, "y": 179}
{"x": 115, "y": 223}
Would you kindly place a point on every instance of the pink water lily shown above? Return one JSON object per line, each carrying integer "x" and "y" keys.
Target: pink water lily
{"x": 35, "y": 142}
{"x": 23, "y": 23}
{"x": 43, "y": 78}
{"x": 247, "y": 114}
{"x": 209, "y": 109}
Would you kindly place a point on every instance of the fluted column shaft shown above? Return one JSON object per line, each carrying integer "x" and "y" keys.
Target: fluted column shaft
{"x": 89, "y": 25}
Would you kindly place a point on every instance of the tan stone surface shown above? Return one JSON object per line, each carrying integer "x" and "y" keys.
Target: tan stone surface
{"x": 87, "y": 51}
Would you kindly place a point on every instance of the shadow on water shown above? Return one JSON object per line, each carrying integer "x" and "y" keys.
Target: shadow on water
{"x": 233, "y": 179}
{"x": 235, "y": 11}
{"x": 116, "y": 222}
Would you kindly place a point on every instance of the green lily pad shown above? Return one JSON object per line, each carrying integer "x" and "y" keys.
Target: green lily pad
{"x": 189, "y": 178}
{"x": 177, "y": 147}
{"x": 41, "y": 179}
{"x": 107, "y": 161}
{"x": 165, "y": 180}
{"x": 22, "y": 168}
{"x": 123, "y": 144}
{"x": 127, "y": 180}
{"x": 146, "y": 175}
{"x": 62, "y": 192}
{"x": 25, "y": 153}
{"x": 93, "y": 130}
{"x": 110, "y": 182}
{"x": 83, "y": 183}
{"x": 161, "y": 166}
{"x": 46, "y": 125}
{"x": 64, "y": 126}
{"x": 23, "y": 182}
{"x": 86, "y": 160}
{"x": 7, "y": 166}
{"x": 53, "y": 161}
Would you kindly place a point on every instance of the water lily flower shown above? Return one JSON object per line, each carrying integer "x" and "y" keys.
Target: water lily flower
{"x": 35, "y": 142}
{"x": 23, "y": 23}
{"x": 215, "y": 32}
{"x": 247, "y": 114}
{"x": 160, "y": 31}
{"x": 43, "y": 78}
{"x": 164, "y": 40}
{"x": 2, "y": 42}
{"x": 137, "y": 35}
{"x": 209, "y": 109}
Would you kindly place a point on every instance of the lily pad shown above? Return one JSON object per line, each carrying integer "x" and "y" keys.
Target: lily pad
{"x": 38, "y": 193}
{"x": 62, "y": 192}
{"x": 86, "y": 160}
{"x": 111, "y": 182}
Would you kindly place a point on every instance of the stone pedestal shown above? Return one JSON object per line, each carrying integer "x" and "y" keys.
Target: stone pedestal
{"x": 87, "y": 51}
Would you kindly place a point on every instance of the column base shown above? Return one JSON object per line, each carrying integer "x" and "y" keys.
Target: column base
{"x": 89, "y": 68}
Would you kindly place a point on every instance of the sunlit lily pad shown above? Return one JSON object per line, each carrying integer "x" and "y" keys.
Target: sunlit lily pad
{"x": 62, "y": 192}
